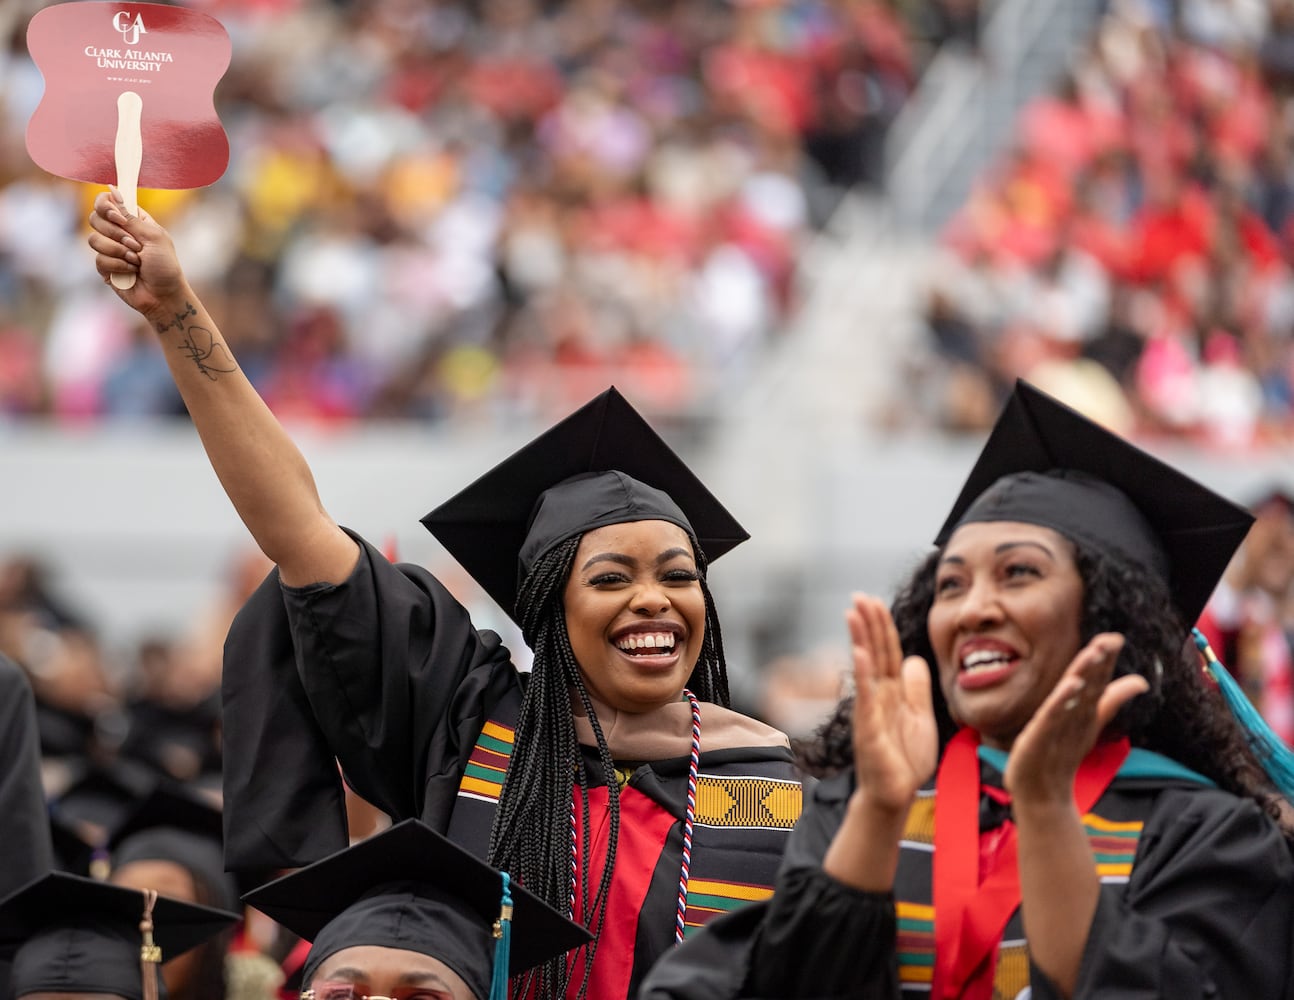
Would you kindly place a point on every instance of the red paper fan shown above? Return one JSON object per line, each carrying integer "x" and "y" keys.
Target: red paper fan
{"x": 129, "y": 95}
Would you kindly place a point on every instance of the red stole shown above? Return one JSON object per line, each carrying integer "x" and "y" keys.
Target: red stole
{"x": 970, "y": 912}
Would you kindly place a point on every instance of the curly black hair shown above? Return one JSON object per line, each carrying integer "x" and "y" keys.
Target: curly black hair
{"x": 532, "y": 827}
{"x": 1182, "y": 716}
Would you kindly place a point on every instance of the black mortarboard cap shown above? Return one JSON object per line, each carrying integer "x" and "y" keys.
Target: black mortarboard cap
{"x": 173, "y": 825}
{"x": 498, "y": 526}
{"x": 69, "y": 934}
{"x": 411, "y": 888}
{"x": 1045, "y": 463}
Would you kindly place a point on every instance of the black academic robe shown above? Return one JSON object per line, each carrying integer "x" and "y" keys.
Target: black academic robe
{"x": 387, "y": 673}
{"x": 1206, "y": 910}
{"x": 24, "y": 823}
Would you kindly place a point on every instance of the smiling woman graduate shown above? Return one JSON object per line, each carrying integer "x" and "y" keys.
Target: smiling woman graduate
{"x": 611, "y": 779}
{"x": 1098, "y": 823}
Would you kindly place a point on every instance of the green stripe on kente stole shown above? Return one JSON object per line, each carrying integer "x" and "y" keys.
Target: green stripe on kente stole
{"x": 725, "y": 904}
{"x": 497, "y": 745}
{"x": 484, "y": 773}
{"x": 709, "y": 898}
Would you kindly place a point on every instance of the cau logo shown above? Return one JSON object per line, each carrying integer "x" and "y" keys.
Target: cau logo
{"x": 128, "y": 29}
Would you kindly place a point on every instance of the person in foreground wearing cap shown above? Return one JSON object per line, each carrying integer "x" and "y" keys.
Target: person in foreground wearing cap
{"x": 411, "y": 915}
{"x": 598, "y": 779}
{"x": 1098, "y": 823}
{"x": 74, "y": 936}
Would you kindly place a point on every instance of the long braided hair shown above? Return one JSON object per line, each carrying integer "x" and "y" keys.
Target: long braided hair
{"x": 532, "y": 827}
{"x": 1181, "y": 716}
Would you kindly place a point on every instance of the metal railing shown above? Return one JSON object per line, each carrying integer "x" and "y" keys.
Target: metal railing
{"x": 966, "y": 105}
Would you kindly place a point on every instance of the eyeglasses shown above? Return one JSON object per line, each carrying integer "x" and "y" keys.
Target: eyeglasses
{"x": 360, "y": 991}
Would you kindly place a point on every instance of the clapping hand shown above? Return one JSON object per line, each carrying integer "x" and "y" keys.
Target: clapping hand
{"x": 895, "y": 737}
{"x": 1046, "y": 755}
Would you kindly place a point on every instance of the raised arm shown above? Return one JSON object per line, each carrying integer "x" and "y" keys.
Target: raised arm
{"x": 261, "y": 469}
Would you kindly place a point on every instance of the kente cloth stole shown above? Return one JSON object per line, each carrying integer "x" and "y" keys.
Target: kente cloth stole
{"x": 985, "y": 919}
{"x": 744, "y": 813}
{"x": 482, "y": 779}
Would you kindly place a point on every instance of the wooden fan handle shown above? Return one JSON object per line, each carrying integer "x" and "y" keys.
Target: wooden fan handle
{"x": 129, "y": 152}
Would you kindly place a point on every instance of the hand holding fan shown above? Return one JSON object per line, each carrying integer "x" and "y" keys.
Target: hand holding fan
{"x": 129, "y": 96}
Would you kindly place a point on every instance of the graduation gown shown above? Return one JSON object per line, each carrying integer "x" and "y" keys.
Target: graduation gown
{"x": 1197, "y": 900}
{"x": 387, "y": 674}
{"x": 24, "y": 823}
{"x": 24, "y": 826}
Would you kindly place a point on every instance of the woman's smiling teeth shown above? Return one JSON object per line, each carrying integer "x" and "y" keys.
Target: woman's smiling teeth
{"x": 653, "y": 642}
{"x": 983, "y": 659}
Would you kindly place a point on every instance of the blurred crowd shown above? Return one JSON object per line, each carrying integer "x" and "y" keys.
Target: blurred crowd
{"x": 1133, "y": 247}
{"x": 433, "y": 208}
{"x": 1250, "y": 619}
{"x": 153, "y": 703}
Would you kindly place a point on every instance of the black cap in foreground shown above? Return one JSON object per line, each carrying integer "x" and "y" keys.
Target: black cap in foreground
{"x": 1046, "y": 464}
{"x": 69, "y": 934}
{"x": 412, "y": 889}
{"x": 499, "y": 525}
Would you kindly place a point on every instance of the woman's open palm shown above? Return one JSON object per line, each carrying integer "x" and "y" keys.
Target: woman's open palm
{"x": 895, "y": 737}
{"x": 1046, "y": 755}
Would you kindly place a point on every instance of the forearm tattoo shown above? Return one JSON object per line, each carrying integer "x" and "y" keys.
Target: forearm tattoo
{"x": 199, "y": 343}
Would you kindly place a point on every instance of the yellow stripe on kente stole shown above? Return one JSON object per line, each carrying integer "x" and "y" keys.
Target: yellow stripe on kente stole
{"x": 470, "y": 784}
{"x": 920, "y": 825}
{"x": 766, "y": 803}
{"x": 913, "y": 911}
{"x": 733, "y": 890}
{"x": 499, "y": 732}
{"x": 1111, "y": 826}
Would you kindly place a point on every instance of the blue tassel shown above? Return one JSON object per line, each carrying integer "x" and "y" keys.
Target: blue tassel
{"x": 1276, "y": 758}
{"x": 502, "y": 943}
